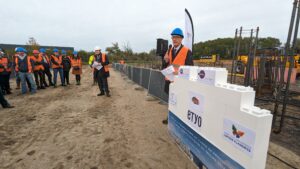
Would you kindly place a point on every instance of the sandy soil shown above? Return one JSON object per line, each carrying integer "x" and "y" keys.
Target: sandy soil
{"x": 70, "y": 127}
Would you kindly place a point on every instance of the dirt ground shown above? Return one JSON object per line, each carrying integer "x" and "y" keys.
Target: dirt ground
{"x": 72, "y": 128}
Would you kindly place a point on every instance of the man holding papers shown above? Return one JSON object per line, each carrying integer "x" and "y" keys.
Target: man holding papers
{"x": 178, "y": 55}
{"x": 100, "y": 65}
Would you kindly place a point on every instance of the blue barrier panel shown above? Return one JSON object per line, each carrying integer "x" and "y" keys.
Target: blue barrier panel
{"x": 156, "y": 85}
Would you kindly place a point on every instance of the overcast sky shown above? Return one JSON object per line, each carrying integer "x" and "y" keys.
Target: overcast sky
{"x": 84, "y": 24}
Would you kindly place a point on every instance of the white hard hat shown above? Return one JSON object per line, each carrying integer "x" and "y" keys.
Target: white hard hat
{"x": 97, "y": 48}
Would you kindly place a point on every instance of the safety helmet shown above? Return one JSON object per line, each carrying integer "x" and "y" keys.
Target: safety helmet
{"x": 20, "y": 49}
{"x": 63, "y": 52}
{"x": 75, "y": 53}
{"x": 35, "y": 52}
{"x": 97, "y": 48}
{"x": 55, "y": 50}
{"x": 42, "y": 50}
{"x": 177, "y": 32}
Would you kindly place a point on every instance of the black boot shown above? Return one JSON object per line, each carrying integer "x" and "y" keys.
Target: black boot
{"x": 101, "y": 94}
{"x": 8, "y": 106}
{"x": 165, "y": 121}
{"x": 107, "y": 94}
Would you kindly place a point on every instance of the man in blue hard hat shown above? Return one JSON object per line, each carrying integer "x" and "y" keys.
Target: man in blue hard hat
{"x": 57, "y": 67}
{"x": 24, "y": 66}
{"x": 177, "y": 55}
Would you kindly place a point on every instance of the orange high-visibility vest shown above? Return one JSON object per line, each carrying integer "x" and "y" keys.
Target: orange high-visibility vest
{"x": 4, "y": 62}
{"x": 46, "y": 57}
{"x": 38, "y": 59}
{"x": 106, "y": 69}
{"x": 76, "y": 62}
{"x": 57, "y": 60}
{"x": 28, "y": 64}
{"x": 179, "y": 59}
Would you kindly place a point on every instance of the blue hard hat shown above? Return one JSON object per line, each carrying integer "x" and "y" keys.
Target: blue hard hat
{"x": 20, "y": 49}
{"x": 55, "y": 50}
{"x": 63, "y": 52}
{"x": 75, "y": 53}
{"x": 42, "y": 50}
{"x": 178, "y": 32}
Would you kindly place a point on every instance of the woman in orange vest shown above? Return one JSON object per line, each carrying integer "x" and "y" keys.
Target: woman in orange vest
{"x": 38, "y": 70}
{"x": 178, "y": 55}
{"x": 76, "y": 66}
{"x": 57, "y": 67}
{"x": 5, "y": 71}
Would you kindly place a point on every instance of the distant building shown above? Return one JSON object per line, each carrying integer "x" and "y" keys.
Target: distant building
{"x": 13, "y": 46}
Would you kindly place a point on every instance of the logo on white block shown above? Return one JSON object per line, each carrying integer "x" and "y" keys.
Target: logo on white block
{"x": 202, "y": 74}
{"x": 239, "y": 136}
{"x": 181, "y": 71}
{"x": 195, "y": 110}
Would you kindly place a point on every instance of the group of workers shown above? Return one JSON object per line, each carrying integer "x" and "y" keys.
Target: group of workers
{"x": 40, "y": 64}
{"x": 31, "y": 71}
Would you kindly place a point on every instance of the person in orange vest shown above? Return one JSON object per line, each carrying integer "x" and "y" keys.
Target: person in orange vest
{"x": 76, "y": 66}
{"x": 102, "y": 74}
{"x": 57, "y": 67}
{"x": 18, "y": 81}
{"x": 178, "y": 55}
{"x": 66, "y": 62}
{"x": 5, "y": 71}
{"x": 24, "y": 67}
{"x": 38, "y": 70}
{"x": 47, "y": 64}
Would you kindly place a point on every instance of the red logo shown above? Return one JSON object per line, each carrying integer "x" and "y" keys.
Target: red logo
{"x": 195, "y": 101}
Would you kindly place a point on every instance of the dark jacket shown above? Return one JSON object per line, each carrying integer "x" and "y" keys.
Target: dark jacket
{"x": 98, "y": 58}
{"x": 23, "y": 64}
{"x": 66, "y": 62}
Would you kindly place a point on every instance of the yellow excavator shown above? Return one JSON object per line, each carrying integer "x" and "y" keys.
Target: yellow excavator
{"x": 243, "y": 59}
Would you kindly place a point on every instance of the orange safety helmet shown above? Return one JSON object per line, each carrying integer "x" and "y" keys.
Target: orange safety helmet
{"x": 35, "y": 52}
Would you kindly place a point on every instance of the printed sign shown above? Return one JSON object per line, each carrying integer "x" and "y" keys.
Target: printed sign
{"x": 206, "y": 76}
{"x": 172, "y": 99}
{"x": 184, "y": 72}
{"x": 195, "y": 110}
{"x": 198, "y": 148}
{"x": 239, "y": 136}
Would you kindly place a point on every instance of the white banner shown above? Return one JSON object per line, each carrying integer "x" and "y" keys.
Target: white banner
{"x": 188, "y": 31}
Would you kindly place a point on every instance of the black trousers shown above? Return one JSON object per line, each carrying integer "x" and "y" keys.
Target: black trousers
{"x": 67, "y": 76}
{"x": 49, "y": 75}
{"x": 4, "y": 82}
{"x": 102, "y": 83}
{"x": 77, "y": 77}
{"x": 95, "y": 76}
{"x": 39, "y": 78}
{"x": 3, "y": 101}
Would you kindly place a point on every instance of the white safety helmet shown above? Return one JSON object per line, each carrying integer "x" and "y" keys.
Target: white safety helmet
{"x": 97, "y": 48}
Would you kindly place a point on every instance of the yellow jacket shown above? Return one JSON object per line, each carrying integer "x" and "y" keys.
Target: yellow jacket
{"x": 91, "y": 59}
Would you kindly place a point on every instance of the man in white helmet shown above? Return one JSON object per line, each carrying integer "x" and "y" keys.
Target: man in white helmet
{"x": 103, "y": 73}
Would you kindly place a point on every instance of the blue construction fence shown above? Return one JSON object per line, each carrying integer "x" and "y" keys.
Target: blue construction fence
{"x": 150, "y": 79}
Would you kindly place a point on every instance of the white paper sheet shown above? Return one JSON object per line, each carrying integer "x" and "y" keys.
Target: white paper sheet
{"x": 169, "y": 72}
{"x": 97, "y": 65}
